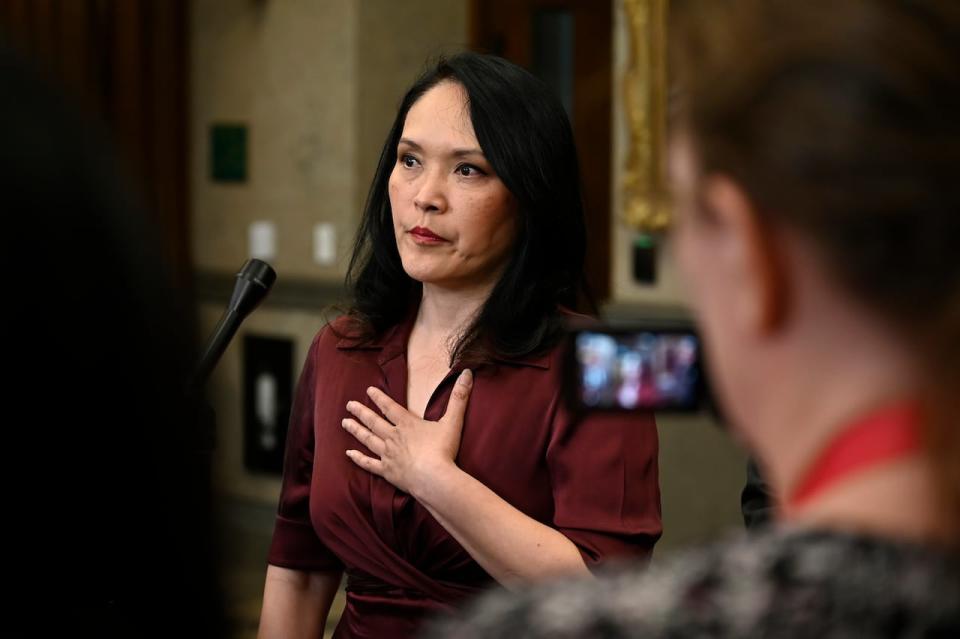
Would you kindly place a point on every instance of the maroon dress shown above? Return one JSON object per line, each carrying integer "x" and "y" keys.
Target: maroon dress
{"x": 594, "y": 480}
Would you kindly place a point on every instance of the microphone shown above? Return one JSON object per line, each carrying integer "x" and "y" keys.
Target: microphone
{"x": 253, "y": 283}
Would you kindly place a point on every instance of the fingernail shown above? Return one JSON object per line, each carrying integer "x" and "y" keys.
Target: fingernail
{"x": 351, "y": 453}
{"x": 466, "y": 377}
{"x": 343, "y": 423}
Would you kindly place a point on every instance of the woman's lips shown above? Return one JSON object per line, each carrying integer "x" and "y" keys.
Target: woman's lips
{"x": 423, "y": 235}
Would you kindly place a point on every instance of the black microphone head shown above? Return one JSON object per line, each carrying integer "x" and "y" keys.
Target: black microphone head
{"x": 253, "y": 283}
{"x": 259, "y": 272}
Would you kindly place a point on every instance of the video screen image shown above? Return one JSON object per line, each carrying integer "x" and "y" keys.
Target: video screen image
{"x": 638, "y": 371}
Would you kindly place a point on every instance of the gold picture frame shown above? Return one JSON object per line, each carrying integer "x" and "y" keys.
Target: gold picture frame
{"x": 645, "y": 208}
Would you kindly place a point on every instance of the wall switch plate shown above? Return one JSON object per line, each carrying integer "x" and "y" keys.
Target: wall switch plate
{"x": 263, "y": 241}
{"x": 325, "y": 244}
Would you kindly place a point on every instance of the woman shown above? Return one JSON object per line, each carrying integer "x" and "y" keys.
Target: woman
{"x": 471, "y": 244}
{"x": 818, "y": 224}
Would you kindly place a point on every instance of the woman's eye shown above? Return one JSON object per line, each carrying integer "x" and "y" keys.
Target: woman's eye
{"x": 408, "y": 161}
{"x": 468, "y": 170}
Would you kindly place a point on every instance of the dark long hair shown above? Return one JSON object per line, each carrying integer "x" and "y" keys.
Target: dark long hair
{"x": 526, "y": 136}
{"x": 840, "y": 119}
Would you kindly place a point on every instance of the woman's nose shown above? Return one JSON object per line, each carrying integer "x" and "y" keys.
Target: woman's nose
{"x": 431, "y": 197}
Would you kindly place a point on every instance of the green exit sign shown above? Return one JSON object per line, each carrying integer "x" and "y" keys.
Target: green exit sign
{"x": 228, "y": 152}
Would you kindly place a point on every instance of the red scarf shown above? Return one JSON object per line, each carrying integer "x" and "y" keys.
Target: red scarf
{"x": 885, "y": 435}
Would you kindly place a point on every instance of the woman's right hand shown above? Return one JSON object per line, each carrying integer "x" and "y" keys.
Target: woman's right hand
{"x": 412, "y": 451}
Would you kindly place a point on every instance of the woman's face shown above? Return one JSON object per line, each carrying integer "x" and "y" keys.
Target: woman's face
{"x": 455, "y": 222}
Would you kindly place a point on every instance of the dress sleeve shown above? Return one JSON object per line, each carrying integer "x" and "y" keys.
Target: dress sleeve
{"x": 606, "y": 488}
{"x": 295, "y": 544}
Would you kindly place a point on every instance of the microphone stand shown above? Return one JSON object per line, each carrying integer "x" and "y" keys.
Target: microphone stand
{"x": 254, "y": 281}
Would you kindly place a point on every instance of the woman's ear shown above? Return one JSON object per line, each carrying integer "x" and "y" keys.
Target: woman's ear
{"x": 756, "y": 275}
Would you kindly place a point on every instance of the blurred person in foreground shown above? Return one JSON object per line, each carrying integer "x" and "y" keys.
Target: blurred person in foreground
{"x": 106, "y": 475}
{"x": 814, "y": 156}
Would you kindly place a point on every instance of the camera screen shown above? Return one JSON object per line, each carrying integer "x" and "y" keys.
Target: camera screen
{"x": 638, "y": 370}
